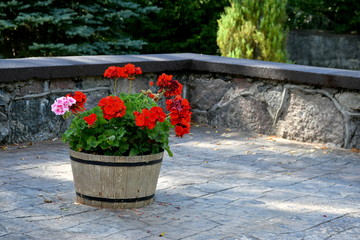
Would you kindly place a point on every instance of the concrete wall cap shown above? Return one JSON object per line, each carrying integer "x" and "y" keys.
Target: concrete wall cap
{"x": 21, "y": 69}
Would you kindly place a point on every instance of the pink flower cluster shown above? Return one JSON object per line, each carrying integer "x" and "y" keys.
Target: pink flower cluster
{"x": 62, "y": 105}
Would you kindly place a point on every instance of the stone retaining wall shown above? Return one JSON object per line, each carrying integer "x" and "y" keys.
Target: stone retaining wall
{"x": 298, "y": 112}
{"x": 323, "y": 49}
{"x": 296, "y": 102}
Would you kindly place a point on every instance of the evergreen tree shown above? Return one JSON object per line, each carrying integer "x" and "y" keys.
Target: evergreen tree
{"x": 180, "y": 26}
{"x": 254, "y": 30}
{"x": 339, "y": 16}
{"x": 59, "y": 28}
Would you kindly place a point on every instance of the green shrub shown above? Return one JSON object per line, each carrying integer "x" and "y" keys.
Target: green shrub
{"x": 253, "y": 30}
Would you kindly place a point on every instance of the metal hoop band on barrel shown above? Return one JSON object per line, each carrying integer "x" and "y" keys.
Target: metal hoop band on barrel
{"x": 116, "y": 164}
{"x": 111, "y": 200}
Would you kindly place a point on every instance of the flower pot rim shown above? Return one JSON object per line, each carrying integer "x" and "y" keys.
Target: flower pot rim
{"x": 106, "y": 158}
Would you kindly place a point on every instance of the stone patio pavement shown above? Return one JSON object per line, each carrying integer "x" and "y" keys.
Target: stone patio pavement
{"x": 220, "y": 184}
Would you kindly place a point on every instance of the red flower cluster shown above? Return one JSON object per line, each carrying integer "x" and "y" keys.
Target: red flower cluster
{"x": 172, "y": 87}
{"x": 180, "y": 114}
{"x": 80, "y": 98}
{"x": 128, "y": 71}
{"x": 131, "y": 71}
{"x": 91, "y": 119}
{"x": 115, "y": 72}
{"x": 149, "y": 118}
{"x": 112, "y": 107}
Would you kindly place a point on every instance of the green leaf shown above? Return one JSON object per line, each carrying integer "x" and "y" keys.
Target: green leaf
{"x": 123, "y": 148}
{"x": 134, "y": 152}
{"x": 167, "y": 148}
{"x": 111, "y": 138}
{"x": 92, "y": 142}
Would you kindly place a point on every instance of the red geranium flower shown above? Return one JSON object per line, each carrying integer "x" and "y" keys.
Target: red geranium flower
{"x": 112, "y": 107}
{"x": 149, "y": 118}
{"x": 160, "y": 115}
{"x": 172, "y": 87}
{"x": 131, "y": 71}
{"x": 180, "y": 114}
{"x": 91, "y": 119}
{"x": 181, "y": 130}
{"x": 80, "y": 98}
{"x": 177, "y": 104}
{"x": 115, "y": 72}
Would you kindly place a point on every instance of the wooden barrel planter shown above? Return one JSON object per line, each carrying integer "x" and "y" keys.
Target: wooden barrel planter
{"x": 115, "y": 181}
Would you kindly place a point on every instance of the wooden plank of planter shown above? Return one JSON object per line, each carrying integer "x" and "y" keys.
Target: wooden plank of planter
{"x": 115, "y": 182}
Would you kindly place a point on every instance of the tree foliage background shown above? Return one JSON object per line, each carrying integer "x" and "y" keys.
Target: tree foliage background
{"x": 92, "y": 27}
{"x": 339, "y": 16}
{"x": 180, "y": 26}
{"x": 57, "y": 28}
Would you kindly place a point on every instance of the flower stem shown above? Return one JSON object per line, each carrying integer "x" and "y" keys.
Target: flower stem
{"x": 130, "y": 86}
{"x": 115, "y": 87}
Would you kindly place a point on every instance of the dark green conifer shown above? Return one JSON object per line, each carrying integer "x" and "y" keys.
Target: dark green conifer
{"x": 59, "y": 28}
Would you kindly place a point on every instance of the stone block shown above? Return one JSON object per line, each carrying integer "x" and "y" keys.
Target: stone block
{"x": 31, "y": 87}
{"x": 94, "y": 97}
{"x": 311, "y": 118}
{"x": 199, "y": 116}
{"x": 3, "y": 116}
{"x": 140, "y": 83}
{"x": 354, "y": 141}
{"x": 243, "y": 112}
{"x": 4, "y": 98}
{"x": 94, "y": 82}
{"x": 272, "y": 95}
{"x": 4, "y": 132}
{"x": 349, "y": 100}
{"x": 33, "y": 120}
{"x": 47, "y": 124}
{"x": 62, "y": 84}
{"x": 204, "y": 93}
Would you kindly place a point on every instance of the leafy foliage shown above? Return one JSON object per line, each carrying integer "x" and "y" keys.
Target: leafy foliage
{"x": 57, "y": 28}
{"x": 340, "y": 16}
{"x": 119, "y": 136}
{"x": 253, "y": 30}
{"x": 180, "y": 26}
{"x": 129, "y": 124}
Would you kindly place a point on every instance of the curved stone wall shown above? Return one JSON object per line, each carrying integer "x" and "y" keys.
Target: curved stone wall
{"x": 298, "y": 112}
{"x": 323, "y": 49}
{"x": 296, "y": 102}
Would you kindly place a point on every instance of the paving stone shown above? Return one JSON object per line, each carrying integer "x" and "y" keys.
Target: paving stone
{"x": 170, "y": 231}
{"x": 17, "y": 226}
{"x": 49, "y": 234}
{"x": 16, "y": 236}
{"x": 64, "y": 222}
{"x": 351, "y": 233}
{"x": 122, "y": 222}
{"x": 92, "y": 228}
{"x": 221, "y": 184}
{"x": 129, "y": 234}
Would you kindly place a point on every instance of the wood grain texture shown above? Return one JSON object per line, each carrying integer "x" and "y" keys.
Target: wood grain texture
{"x": 115, "y": 187}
